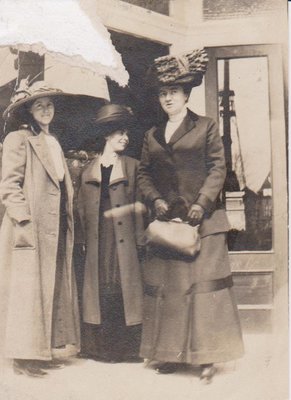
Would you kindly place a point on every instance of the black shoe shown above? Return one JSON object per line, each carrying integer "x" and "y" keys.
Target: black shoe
{"x": 207, "y": 373}
{"x": 28, "y": 368}
{"x": 166, "y": 368}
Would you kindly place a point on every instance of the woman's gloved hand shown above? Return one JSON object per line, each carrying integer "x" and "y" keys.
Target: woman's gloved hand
{"x": 161, "y": 208}
{"x": 195, "y": 214}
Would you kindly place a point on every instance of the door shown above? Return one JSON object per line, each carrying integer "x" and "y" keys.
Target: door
{"x": 245, "y": 94}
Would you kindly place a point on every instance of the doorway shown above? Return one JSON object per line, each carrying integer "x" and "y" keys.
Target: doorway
{"x": 137, "y": 55}
{"x": 249, "y": 109}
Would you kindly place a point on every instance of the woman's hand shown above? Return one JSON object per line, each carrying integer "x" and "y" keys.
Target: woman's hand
{"x": 161, "y": 208}
{"x": 195, "y": 214}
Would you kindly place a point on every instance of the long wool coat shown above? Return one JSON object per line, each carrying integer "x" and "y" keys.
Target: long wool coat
{"x": 186, "y": 319}
{"x": 129, "y": 233}
{"x": 30, "y": 191}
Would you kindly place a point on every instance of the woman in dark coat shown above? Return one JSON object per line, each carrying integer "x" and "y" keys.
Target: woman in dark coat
{"x": 39, "y": 310}
{"x": 113, "y": 229}
{"x": 190, "y": 314}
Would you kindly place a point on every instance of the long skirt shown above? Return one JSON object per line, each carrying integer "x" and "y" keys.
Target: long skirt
{"x": 190, "y": 313}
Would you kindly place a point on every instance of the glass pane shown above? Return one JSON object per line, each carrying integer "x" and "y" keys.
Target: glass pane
{"x": 244, "y": 121}
{"x": 160, "y": 6}
{"x": 226, "y": 9}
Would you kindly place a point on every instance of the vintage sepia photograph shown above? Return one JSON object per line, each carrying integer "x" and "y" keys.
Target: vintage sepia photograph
{"x": 144, "y": 200}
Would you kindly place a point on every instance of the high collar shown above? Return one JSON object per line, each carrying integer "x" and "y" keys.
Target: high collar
{"x": 93, "y": 172}
{"x": 188, "y": 123}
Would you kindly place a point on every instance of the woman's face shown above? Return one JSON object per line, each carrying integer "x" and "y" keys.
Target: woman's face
{"x": 43, "y": 111}
{"x": 172, "y": 99}
{"x": 117, "y": 140}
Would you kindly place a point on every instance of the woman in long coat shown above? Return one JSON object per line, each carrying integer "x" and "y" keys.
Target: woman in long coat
{"x": 38, "y": 295}
{"x": 190, "y": 314}
{"x": 113, "y": 228}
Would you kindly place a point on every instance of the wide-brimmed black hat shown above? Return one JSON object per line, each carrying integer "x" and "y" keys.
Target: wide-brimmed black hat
{"x": 184, "y": 69}
{"x": 114, "y": 115}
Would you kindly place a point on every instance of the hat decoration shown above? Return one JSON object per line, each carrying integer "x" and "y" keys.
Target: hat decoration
{"x": 187, "y": 68}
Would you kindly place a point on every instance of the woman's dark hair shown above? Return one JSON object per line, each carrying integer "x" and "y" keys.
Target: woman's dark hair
{"x": 187, "y": 89}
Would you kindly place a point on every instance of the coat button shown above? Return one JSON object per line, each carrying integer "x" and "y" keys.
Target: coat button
{"x": 117, "y": 205}
{"x": 121, "y": 241}
{"x": 119, "y": 223}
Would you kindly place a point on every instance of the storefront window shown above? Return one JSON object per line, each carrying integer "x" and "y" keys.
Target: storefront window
{"x": 244, "y": 120}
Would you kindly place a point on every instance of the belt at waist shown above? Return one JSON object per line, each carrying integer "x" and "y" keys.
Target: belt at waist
{"x": 198, "y": 287}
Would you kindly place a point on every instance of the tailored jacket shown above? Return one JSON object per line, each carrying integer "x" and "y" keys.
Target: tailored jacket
{"x": 191, "y": 165}
{"x": 129, "y": 233}
{"x": 30, "y": 192}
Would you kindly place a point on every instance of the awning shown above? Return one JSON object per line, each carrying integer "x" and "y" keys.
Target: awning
{"x": 63, "y": 29}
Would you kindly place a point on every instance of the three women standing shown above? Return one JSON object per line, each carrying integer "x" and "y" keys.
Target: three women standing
{"x": 113, "y": 229}
{"x": 190, "y": 315}
{"x": 36, "y": 240}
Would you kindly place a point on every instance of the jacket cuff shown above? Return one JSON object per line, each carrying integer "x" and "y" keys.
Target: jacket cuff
{"x": 205, "y": 203}
{"x": 18, "y": 213}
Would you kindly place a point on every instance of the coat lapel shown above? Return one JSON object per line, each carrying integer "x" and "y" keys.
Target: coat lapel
{"x": 159, "y": 135}
{"x": 93, "y": 172}
{"x": 41, "y": 149}
{"x": 118, "y": 172}
{"x": 187, "y": 124}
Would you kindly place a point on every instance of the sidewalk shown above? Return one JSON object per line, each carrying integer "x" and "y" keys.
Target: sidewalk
{"x": 257, "y": 376}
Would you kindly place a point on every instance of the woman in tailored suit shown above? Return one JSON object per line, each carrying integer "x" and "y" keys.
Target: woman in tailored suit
{"x": 38, "y": 296}
{"x": 113, "y": 229}
{"x": 190, "y": 314}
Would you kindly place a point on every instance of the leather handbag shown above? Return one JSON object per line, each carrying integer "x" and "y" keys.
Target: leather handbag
{"x": 176, "y": 235}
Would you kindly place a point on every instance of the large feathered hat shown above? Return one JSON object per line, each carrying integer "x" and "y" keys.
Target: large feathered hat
{"x": 26, "y": 93}
{"x": 185, "y": 69}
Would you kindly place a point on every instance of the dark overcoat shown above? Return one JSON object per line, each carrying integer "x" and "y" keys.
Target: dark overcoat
{"x": 129, "y": 233}
{"x": 181, "y": 325}
{"x": 30, "y": 191}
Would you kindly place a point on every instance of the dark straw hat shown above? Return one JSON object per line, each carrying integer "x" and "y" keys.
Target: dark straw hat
{"x": 114, "y": 115}
{"x": 26, "y": 94}
{"x": 184, "y": 69}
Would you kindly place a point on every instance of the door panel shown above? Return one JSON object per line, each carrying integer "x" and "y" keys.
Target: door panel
{"x": 249, "y": 106}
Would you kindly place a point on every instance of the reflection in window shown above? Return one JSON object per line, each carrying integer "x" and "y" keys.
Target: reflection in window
{"x": 245, "y": 130}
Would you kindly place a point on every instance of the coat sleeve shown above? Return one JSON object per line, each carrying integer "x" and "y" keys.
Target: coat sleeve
{"x": 13, "y": 172}
{"x": 216, "y": 169}
{"x": 145, "y": 179}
